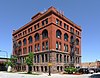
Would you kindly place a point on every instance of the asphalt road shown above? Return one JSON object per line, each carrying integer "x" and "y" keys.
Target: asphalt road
{"x": 45, "y": 75}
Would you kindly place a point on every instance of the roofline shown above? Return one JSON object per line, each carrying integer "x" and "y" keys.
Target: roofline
{"x": 51, "y": 10}
{"x": 3, "y": 58}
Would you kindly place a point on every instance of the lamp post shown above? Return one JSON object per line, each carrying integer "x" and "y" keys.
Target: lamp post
{"x": 5, "y": 52}
{"x": 49, "y": 64}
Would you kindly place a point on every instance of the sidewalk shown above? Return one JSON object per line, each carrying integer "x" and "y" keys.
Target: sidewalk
{"x": 42, "y": 75}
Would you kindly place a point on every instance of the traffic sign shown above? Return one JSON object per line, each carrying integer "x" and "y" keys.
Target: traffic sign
{"x": 49, "y": 64}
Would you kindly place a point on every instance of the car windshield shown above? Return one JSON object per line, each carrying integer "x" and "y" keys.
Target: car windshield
{"x": 95, "y": 76}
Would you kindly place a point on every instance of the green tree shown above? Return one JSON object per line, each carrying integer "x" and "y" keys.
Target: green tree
{"x": 11, "y": 61}
{"x": 29, "y": 62}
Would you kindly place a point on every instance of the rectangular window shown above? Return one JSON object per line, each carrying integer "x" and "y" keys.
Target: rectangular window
{"x": 38, "y": 47}
{"x": 67, "y": 59}
{"x": 38, "y": 58}
{"x": 43, "y": 46}
{"x": 46, "y": 21}
{"x": 78, "y": 60}
{"x": 35, "y": 48}
{"x": 64, "y": 58}
{"x": 34, "y": 58}
{"x": 34, "y": 27}
{"x": 46, "y": 58}
{"x": 21, "y": 60}
{"x": 24, "y": 32}
{"x": 42, "y": 57}
{"x": 30, "y": 30}
{"x": 77, "y": 50}
{"x": 57, "y": 21}
{"x": 65, "y": 48}
{"x": 47, "y": 45}
{"x": 57, "y": 56}
{"x": 38, "y": 25}
{"x": 71, "y": 49}
{"x": 78, "y": 33}
{"x": 60, "y": 23}
{"x": 72, "y": 30}
{"x": 66, "y": 26}
{"x": 60, "y": 58}
{"x": 42, "y": 23}
{"x": 29, "y": 49}
{"x": 57, "y": 45}
{"x": 34, "y": 68}
{"x": 24, "y": 50}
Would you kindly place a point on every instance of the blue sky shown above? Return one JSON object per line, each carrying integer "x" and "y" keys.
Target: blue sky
{"x": 86, "y": 13}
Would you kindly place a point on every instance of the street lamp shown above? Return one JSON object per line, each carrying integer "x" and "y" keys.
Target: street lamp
{"x": 49, "y": 64}
{"x": 5, "y": 52}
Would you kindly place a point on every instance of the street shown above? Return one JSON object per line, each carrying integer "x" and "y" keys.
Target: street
{"x": 44, "y": 75}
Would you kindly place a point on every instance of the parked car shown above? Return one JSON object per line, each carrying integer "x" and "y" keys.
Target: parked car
{"x": 91, "y": 71}
{"x": 83, "y": 70}
{"x": 94, "y": 69}
{"x": 95, "y": 76}
{"x": 98, "y": 69}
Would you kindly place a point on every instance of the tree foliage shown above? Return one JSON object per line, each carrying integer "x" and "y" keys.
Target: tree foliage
{"x": 29, "y": 59}
{"x": 29, "y": 62}
{"x": 70, "y": 70}
{"x": 11, "y": 61}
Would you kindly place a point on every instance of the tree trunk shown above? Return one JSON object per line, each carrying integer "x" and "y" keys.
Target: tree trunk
{"x": 29, "y": 69}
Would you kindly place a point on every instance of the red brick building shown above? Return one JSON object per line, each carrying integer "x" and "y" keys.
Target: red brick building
{"x": 95, "y": 64}
{"x": 2, "y": 64}
{"x": 48, "y": 32}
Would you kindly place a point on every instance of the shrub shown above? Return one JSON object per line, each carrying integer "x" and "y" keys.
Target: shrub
{"x": 70, "y": 70}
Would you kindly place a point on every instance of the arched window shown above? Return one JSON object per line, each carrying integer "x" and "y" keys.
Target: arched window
{"x": 65, "y": 37}
{"x": 77, "y": 41}
{"x": 19, "y": 43}
{"x": 45, "y": 34}
{"x": 30, "y": 39}
{"x": 71, "y": 39}
{"x": 24, "y": 41}
{"x": 36, "y": 37}
{"x": 58, "y": 34}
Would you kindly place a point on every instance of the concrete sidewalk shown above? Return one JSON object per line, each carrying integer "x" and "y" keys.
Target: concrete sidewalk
{"x": 43, "y": 75}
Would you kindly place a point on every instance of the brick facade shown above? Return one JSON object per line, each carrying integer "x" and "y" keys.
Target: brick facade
{"x": 2, "y": 64}
{"x": 95, "y": 64}
{"x": 47, "y": 33}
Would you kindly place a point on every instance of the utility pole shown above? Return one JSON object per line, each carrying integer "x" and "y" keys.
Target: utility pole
{"x": 6, "y": 53}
